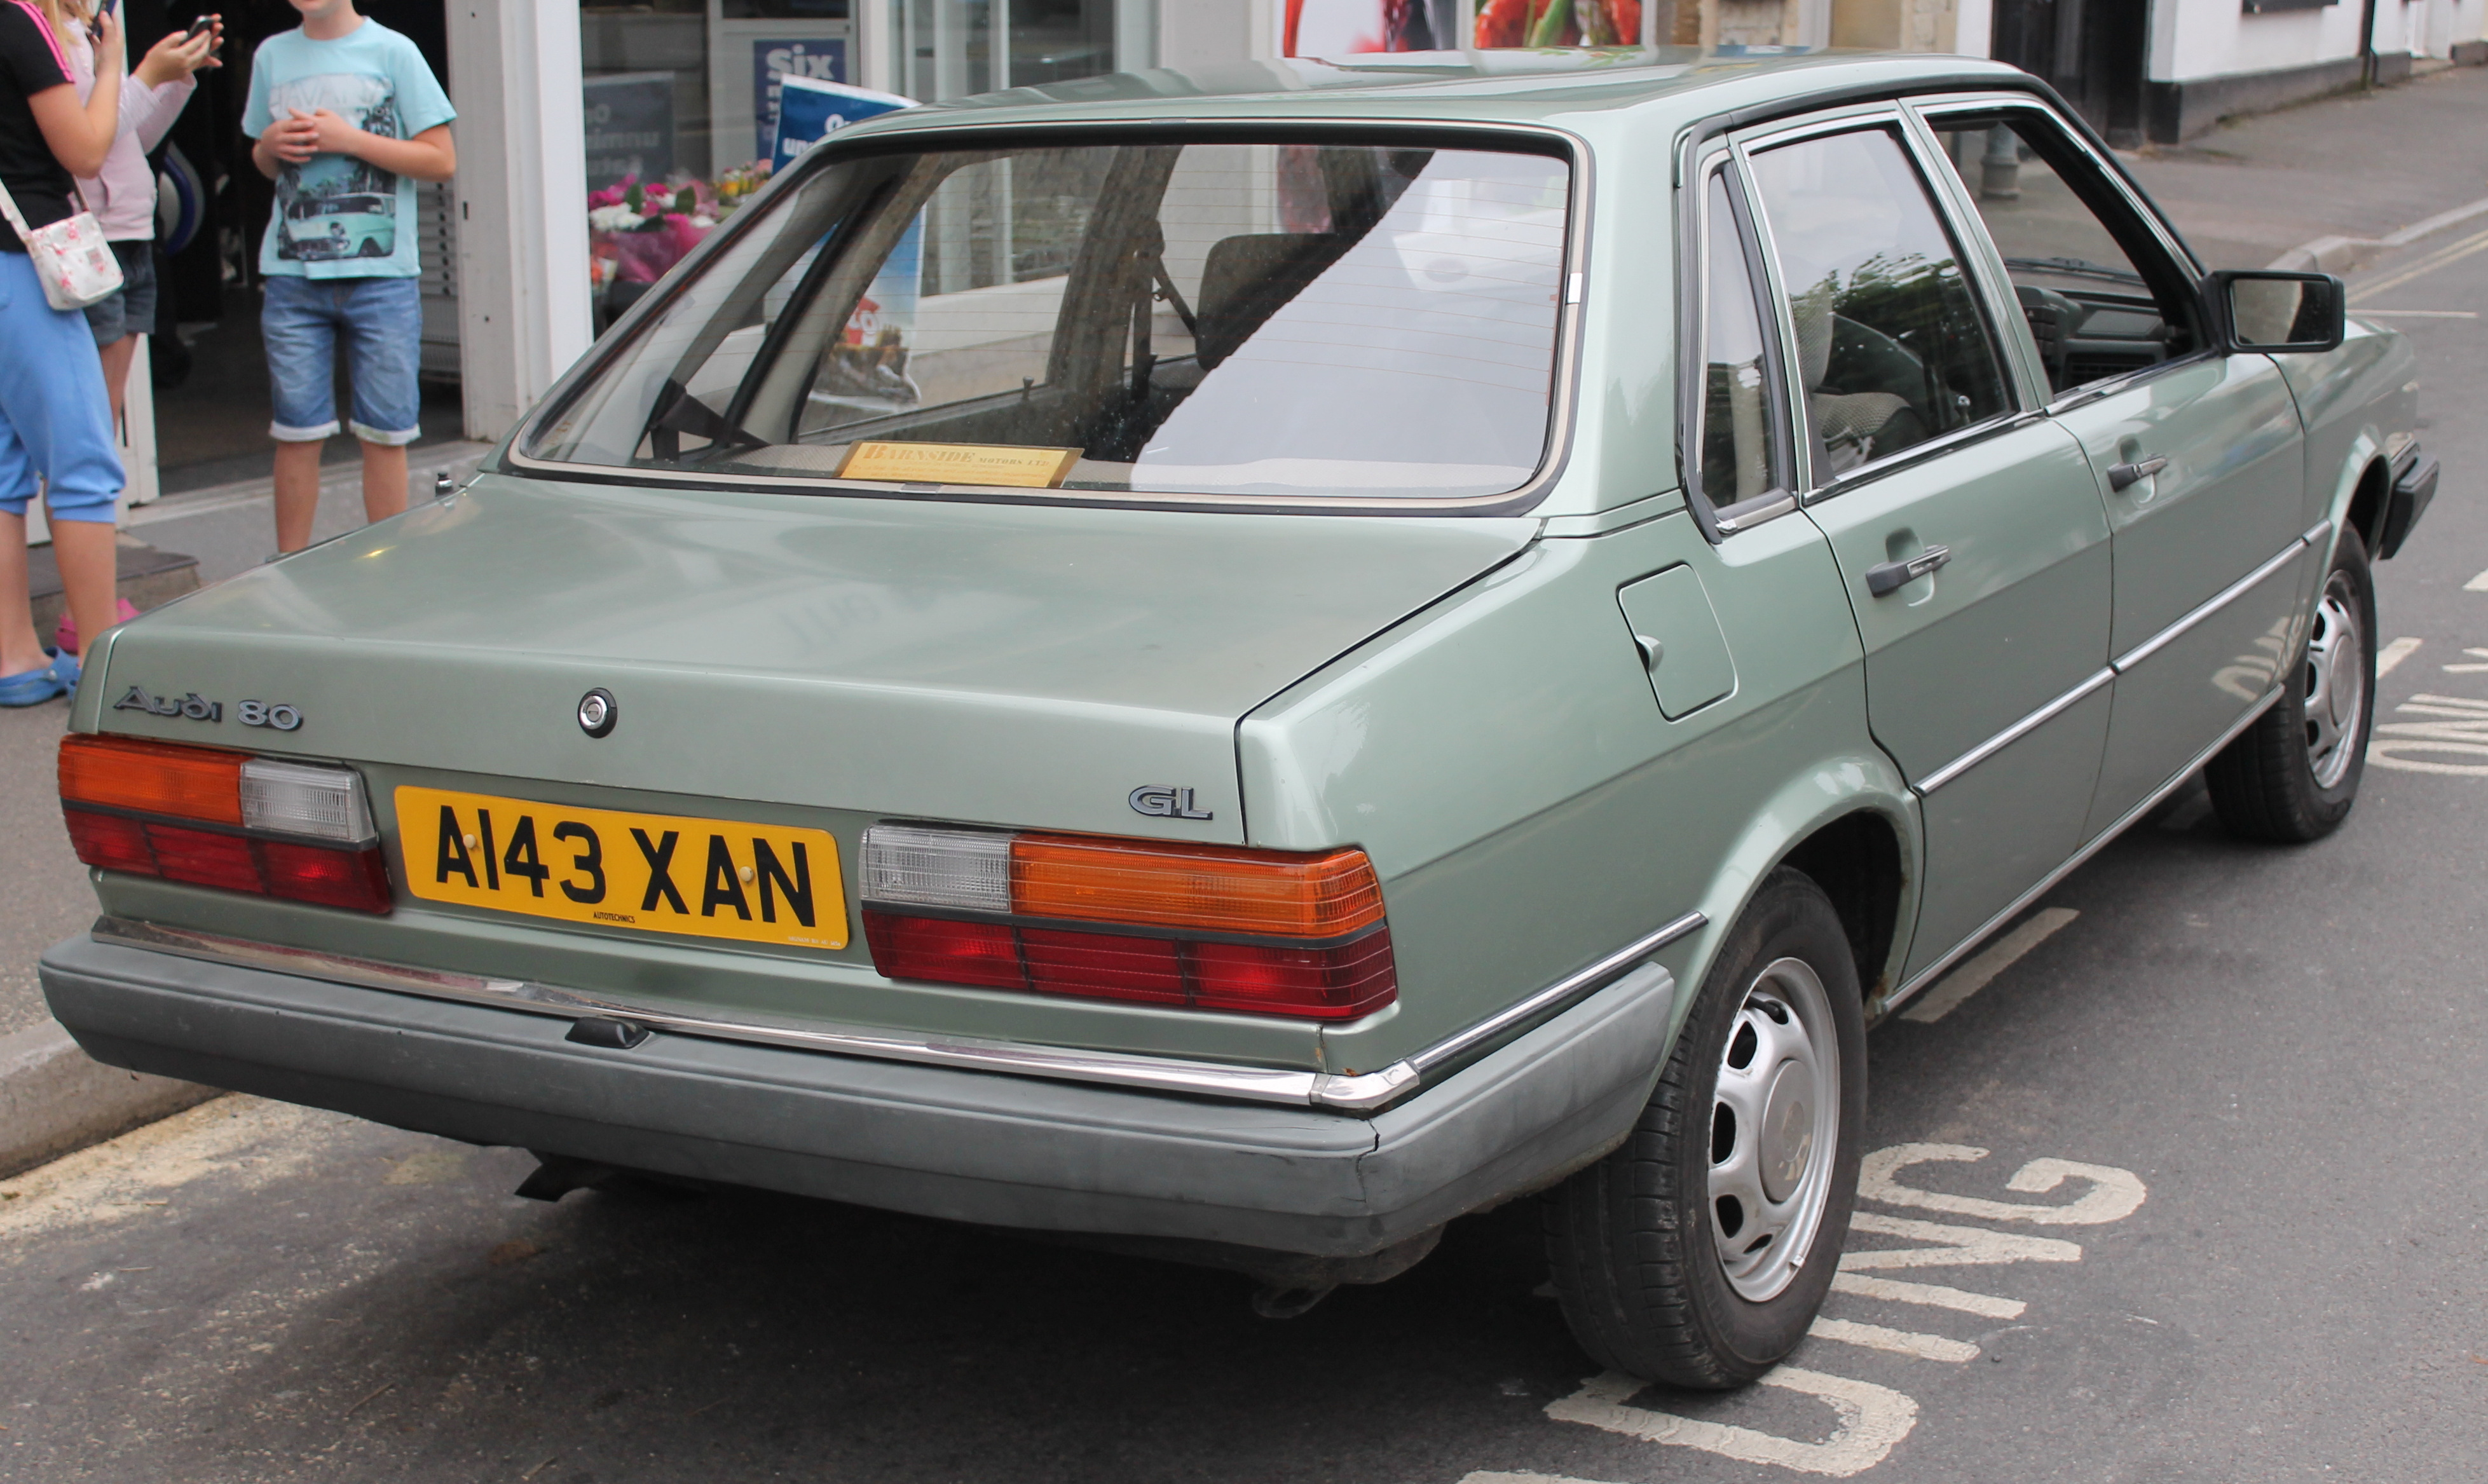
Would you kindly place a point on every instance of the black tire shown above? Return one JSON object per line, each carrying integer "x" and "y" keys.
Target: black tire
{"x": 2271, "y": 783}
{"x": 1643, "y": 1279}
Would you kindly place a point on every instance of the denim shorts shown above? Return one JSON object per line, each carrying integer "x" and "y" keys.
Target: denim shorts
{"x": 381, "y": 321}
{"x": 55, "y": 422}
{"x": 133, "y": 310}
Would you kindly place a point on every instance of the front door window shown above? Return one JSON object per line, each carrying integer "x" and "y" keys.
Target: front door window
{"x": 2078, "y": 259}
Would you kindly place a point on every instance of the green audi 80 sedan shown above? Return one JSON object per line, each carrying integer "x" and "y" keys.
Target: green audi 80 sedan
{"x": 1240, "y": 667}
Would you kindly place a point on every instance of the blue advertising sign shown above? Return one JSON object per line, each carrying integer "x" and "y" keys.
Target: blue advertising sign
{"x": 816, "y": 60}
{"x": 810, "y": 111}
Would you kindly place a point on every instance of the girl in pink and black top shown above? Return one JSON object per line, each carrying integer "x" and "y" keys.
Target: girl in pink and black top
{"x": 55, "y": 419}
{"x": 123, "y": 194}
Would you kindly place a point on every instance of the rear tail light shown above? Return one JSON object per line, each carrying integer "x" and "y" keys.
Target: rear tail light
{"x": 214, "y": 817}
{"x": 1207, "y": 926}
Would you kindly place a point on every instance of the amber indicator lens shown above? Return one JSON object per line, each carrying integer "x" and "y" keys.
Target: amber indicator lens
{"x": 1210, "y": 887}
{"x": 118, "y": 773}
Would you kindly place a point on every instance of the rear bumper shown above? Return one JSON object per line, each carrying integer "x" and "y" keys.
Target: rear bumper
{"x": 963, "y": 1145}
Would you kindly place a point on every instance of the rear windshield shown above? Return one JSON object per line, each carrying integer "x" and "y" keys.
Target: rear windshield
{"x": 1227, "y": 319}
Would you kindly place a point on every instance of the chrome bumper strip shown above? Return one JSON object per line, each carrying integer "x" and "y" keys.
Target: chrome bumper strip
{"x": 1366, "y": 1092}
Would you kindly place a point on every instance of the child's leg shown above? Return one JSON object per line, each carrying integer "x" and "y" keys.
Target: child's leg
{"x": 59, "y": 423}
{"x": 297, "y": 320}
{"x": 89, "y": 557}
{"x": 383, "y": 329}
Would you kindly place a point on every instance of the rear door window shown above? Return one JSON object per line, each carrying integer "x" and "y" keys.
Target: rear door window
{"x": 1891, "y": 346}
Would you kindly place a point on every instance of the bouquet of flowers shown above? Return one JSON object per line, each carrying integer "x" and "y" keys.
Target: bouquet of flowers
{"x": 635, "y": 233}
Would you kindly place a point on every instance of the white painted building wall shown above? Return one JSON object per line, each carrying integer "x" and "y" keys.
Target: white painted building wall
{"x": 2192, "y": 38}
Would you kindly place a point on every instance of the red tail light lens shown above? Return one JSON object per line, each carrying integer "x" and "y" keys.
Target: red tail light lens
{"x": 942, "y": 951}
{"x": 1340, "y": 983}
{"x": 212, "y": 817}
{"x": 1335, "y": 982}
{"x": 202, "y": 858}
{"x": 355, "y": 880}
{"x": 111, "y": 841}
{"x": 1106, "y": 965}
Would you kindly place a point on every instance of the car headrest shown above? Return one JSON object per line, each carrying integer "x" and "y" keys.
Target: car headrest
{"x": 1811, "y": 315}
{"x": 1246, "y": 279}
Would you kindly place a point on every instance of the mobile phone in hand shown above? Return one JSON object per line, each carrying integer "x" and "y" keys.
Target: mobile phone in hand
{"x": 199, "y": 27}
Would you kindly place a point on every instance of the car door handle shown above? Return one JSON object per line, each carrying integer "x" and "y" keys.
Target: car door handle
{"x": 1884, "y": 578}
{"x": 2121, "y": 476}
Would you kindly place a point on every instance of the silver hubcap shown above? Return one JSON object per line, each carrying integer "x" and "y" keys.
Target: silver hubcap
{"x": 1774, "y": 1127}
{"x": 2336, "y": 681}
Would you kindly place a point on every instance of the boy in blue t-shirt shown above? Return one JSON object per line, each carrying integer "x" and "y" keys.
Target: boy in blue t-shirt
{"x": 345, "y": 118}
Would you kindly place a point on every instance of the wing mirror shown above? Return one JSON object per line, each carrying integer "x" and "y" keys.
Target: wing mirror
{"x": 2265, "y": 310}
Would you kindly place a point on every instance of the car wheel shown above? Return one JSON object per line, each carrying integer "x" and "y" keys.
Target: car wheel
{"x": 1699, "y": 1251}
{"x": 2293, "y": 775}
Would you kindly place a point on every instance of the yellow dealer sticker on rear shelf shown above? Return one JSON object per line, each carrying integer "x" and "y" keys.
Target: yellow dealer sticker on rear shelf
{"x": 959, "y": 463}
{"x": 663, "y": 873}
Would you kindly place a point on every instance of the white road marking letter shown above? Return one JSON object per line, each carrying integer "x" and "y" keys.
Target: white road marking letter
{"x": 2114, "y": 1193}
{"x": 1933, "y": 1295}
{"x": 2393, "y": 655}
{"x": 1962, "y": 1246}
{"x": 2477, "y": 584}
{"x": 1900, "y": 1342}
{"x": 1973, "y": 976}
{"x": 2463, "y": 669}
{"x": 1870, "y": 1420}
{"x": 2463, "y": 733}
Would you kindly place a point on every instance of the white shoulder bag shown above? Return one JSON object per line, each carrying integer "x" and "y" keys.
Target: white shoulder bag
{"x": 70, "y": 256}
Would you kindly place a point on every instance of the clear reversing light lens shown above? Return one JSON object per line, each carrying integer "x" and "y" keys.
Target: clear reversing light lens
{"x": 299, "y": 798}
{"x": 963, "y": 869}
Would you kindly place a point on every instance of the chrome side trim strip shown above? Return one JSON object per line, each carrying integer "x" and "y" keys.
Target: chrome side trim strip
{"x": 1359, "y": 1093}
{"x": 2011, "y": 735}
{"x": 1961, "y": 950}
{"x": 2121, "y": 664}
{"x": 2320, "y": 534}
{"x": 1555, "y": 997}
{"x": 2222, "y": 599}
{"x": 1746, "y": 515}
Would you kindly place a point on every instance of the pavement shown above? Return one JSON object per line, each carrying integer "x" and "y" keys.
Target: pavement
{"x": 2355, "y": 166}
{"x": 52, "y": 1097}
{"x": 2186, "y": 1190}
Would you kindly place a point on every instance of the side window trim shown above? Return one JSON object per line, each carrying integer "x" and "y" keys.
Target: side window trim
{"x": 1717, "y": 161}
{"x": 2025, "y": 409}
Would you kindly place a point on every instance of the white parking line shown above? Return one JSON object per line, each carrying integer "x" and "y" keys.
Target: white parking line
{"x": 2462, "y": 733}
{"x": 1900, "y": 1342}
{"x": 1933, "y": 1295}
{"x": 1972, "y": 977}
{"x": 2393, "y": 655}
{"x": 2477, "y": 584}
{"x": 1870, "y": 1420}
{"x": 2469, "y": 670}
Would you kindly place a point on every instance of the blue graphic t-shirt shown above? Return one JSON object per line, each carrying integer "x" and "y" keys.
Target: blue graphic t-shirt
{"x": 337, "y": 217}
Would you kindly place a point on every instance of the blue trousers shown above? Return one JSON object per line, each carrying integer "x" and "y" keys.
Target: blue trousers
{"x": 55, "y": 420}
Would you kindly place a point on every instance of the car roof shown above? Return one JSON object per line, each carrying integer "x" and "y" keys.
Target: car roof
{"x": 1547, "y": 87}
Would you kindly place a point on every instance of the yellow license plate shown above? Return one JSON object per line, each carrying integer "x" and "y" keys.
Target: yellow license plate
{"x": 666, "y": 873}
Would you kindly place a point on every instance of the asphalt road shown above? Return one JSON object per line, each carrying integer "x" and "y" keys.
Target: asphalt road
{"x": 2263, "y": 1256}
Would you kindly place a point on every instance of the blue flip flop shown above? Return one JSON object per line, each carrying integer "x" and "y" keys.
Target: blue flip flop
{"x": 34, "y": 687}
{"x": 65, "y": 669}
